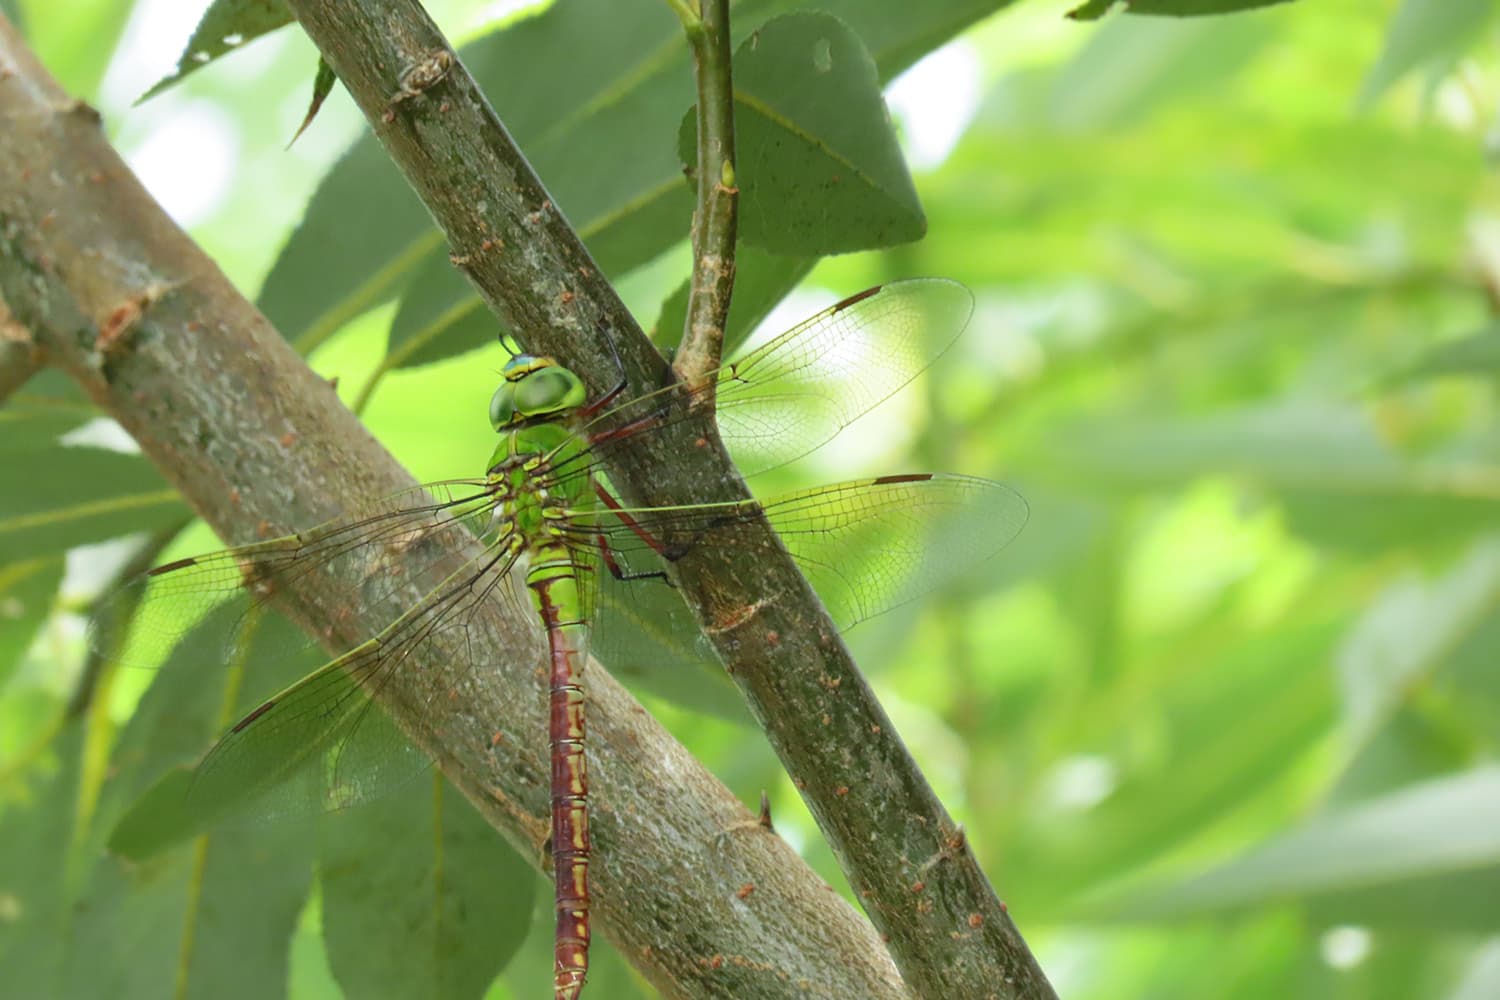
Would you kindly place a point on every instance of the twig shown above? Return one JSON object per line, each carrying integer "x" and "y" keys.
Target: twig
{"x": 716, "y": 214}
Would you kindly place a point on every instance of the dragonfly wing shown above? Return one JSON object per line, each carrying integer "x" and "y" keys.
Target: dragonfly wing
{"x": 323, "y": 743}
{"x": 784, "y": 399}
{"x": 867, "y": 546}
{"x": 220, "y": 592}
{"x": 871, "y": 545}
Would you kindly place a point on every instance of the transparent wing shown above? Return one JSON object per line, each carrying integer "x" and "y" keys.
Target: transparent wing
{"x": 867, "y": 546}
{"x": 219, "y": 591}
{"x": 786, "y": 398}
{"x": 323, "y": 743}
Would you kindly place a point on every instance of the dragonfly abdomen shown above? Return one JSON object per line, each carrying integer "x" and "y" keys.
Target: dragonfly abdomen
{"x": 553, "y": 581}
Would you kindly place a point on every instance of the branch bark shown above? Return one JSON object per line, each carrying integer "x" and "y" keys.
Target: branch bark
{"x": 908, "y": 862}
{"x": 127, "y": 305}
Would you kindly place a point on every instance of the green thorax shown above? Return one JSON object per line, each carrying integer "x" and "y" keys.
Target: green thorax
{"x": 536, "y": 463}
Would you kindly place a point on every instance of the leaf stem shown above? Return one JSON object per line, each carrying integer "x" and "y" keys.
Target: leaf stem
{"x": 716, "y": 214}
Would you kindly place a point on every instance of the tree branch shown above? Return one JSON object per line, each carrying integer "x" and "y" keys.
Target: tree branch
{"x": 127, "y": 305}
{"x": 908, "y": 862}
{"x": 716, "y": 215}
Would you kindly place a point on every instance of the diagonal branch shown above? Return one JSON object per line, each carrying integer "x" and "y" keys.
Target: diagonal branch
{"x": 126, "y": 304}
{"x": 908, "y": 862}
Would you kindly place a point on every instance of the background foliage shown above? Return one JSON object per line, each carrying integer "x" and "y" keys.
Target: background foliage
{"x": 1222, "y": 722}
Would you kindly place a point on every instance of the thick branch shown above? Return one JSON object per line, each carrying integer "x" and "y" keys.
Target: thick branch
{"x": 716, "y": 215}
{"x": 127, "y": 304}
{"x": 907, "y": 860}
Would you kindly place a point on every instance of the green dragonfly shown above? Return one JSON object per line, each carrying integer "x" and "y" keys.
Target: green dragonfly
{"x": 544, "y": 505}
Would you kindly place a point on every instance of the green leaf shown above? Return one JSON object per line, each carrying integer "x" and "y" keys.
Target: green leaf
{"x": 73, "y": 496}
{"x": 818, "y": 166}
{"x": 322, "y": 87}
{"x": 585, "y": 83}
{"x": 1095, "y": 9}
{"x": 1432, "y": 33}
{"x": 420, "y": 896}
{"x": 1338, "y": 482}
{"x": 1475, "y": 355}
{"x": 26, "y": 593}
{"x": 1426, "y": 856}
{"x": 440, "y": 317}
{"x": 36, "y": 836}
{"x": 1131, "y": 66}
{"x": 1408, "y": 631}
{"x": 225, "y": 26}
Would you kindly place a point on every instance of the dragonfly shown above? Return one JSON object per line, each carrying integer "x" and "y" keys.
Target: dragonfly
{"x": 545, "y": 508}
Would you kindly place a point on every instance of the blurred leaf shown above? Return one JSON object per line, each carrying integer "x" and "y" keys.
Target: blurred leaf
{"x": 818, "y": 166}
{"x": 420, "y": 896}
{"x": 1130, "y": 66}
{"x": 1477, "y": 355}
{"x": 1481, "y": 978}
{"x": 73, "y": 496}
{"x": 75, "y": 39}
{"x": 225, "y": 26}
{"x": 761, "y": 281}
{"x": 26, "y": 593}
{"x": 1426, "y": 856}
{"x": 1218, "y": 759}
{"x": 1095, "y": 9}
{"x": 1339, "y": 483}
{"x": 1425, "y": 33}
{"x": 12, "y": 10}
{"x": 322, "y": 86}
{"x": 1408, "y": 631}
{"x": 36, "y": 866}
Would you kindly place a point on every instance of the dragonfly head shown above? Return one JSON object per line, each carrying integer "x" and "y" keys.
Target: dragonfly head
{"x": 534, "y": 390}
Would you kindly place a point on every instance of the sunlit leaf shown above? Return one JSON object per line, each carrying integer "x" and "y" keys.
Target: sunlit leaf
{"x": 1425, "y": 856}
{"x": 225, "y": 26}
{"x": 1095, "y": 9}
{"x": 1425, "y": 33}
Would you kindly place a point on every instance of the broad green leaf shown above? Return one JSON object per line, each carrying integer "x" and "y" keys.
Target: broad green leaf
{"x": 1429, "y": 33}
{"x": 818, "y": 166}
{"x": 1218, "y": 761}
{"x": 226, "y": 25}
{"x": 1426, "y": 856}
{"x": 1131, "y": 66}
{"x": 1337, "y": 481}
{"x": 420, "y": 896}
{"x": 1476, "y": 355}
{"x": 1095, "y": 9}
{"x": 36, "y": 836}
{"x": 1407, "y": 632}
{"x": 26, "y": 593}
{"x": 151, "y": 909}
{"x": 761, "y": 281}
{"x": 73, "y": 496}
{"x": 585, "y": 83}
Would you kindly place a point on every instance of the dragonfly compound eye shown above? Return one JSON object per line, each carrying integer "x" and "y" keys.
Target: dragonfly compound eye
{"x": 548, "y": 390}
{"x": 503, "y": 406}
